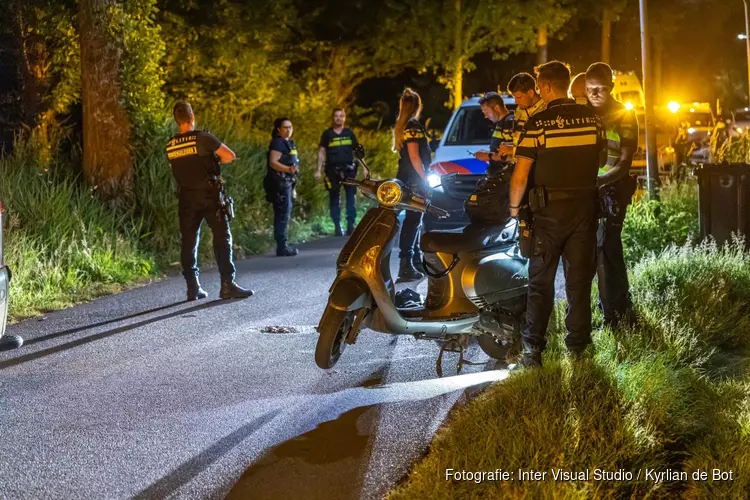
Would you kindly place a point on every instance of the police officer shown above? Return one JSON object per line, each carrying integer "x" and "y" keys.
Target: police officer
{"x": 577, "y": 89}
{"x": 337, "y": 153}
{"x": 563, "y": 144}
{"x": 617, "y": 186}
{"x": 410, "y": 142}
{"x": 280, "y": 182}
{"x": 494, "y": 109}
{"x": 528, "y": 103}
{"x": 192, "y": 156}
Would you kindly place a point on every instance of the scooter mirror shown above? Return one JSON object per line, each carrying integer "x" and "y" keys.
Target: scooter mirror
{"x": 359, "y": 151}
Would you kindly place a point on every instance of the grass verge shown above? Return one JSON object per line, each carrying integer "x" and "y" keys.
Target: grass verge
{"x": 669, "y": 395}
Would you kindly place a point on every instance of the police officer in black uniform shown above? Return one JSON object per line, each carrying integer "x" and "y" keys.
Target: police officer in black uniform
{"x": 563, "y": 143}
{"x": 280, "y": 182}
{"x": 494, "y": 109}
{"x": 194, "y": 157}
{"x": 410, "y": 142}
{"x": 617, "y": 188}
{"x": 337, "y": 153}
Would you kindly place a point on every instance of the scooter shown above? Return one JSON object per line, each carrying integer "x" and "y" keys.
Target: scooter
{"x": 477, "y": 282}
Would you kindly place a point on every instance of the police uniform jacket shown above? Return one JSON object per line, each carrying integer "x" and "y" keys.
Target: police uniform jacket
{"x": 339, "y": 147}
{"x": 413, "y": 132}
{"x": 289, "y": 157}
{"x": 192, "y": 159}
{"x": 621, "y": 127}
{"x": 564, "y": 141}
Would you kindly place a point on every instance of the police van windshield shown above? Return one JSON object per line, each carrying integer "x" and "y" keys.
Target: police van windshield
{"x": 470, "y": 128}
{"x": 699, "y": 119}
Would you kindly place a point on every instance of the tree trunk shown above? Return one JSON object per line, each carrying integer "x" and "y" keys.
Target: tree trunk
{"x": 541, "y": 45}
{"x": 107, "y": 162}
{"x": 457, "y": 84}
{"x": 457, "y": 78}
{"x": 607, "y": 35}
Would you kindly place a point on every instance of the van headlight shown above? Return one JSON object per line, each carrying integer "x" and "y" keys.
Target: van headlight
{"x": 389, "y": 193}
{"x": 434, "y": 180}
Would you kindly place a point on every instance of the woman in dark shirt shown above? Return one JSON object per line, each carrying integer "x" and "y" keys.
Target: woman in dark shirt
{"x": 281, "y": 177}
{"x": 410, "y": 142}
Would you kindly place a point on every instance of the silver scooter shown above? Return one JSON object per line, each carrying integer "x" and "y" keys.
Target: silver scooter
{"x": 477, "y": 282}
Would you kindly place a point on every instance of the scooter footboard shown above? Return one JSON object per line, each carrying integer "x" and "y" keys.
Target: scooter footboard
{"x": 350, "y": 294}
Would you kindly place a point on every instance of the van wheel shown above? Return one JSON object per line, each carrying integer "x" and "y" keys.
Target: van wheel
{"x": 334, "y": 327}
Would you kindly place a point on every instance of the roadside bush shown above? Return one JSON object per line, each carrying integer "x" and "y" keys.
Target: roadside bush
{"x": 651, "y": 226}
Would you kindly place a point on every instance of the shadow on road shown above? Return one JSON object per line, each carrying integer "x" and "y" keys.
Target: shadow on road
{"x": 188, "y": 470}
{"x": 64, "y": 347}
{"x": 101, "y": 323}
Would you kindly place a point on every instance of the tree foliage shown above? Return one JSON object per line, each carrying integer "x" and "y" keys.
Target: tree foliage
{"x": 227, "y": 56}
{"x": 448, "y": 34}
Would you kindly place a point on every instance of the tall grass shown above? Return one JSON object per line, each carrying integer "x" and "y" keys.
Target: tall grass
{"x": 672, "y": 392}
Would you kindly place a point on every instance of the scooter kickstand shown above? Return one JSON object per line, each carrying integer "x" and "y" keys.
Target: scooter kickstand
{"x": 444, "y": 347}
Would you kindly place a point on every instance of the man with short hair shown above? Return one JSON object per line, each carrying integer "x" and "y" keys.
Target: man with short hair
{"x": 528, "y": 103}
{"x": 494, "y": 109}
{"x": 337, "y": 153}
{"x": 617, "y": 188}
{"x": 577, "y": 89}
{"x": 195, "y": 158}
{"x": 563, "y": 144}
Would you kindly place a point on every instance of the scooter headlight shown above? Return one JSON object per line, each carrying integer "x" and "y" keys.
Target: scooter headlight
{"x": 389, "y": 193}
{"x": 434, "y": 180}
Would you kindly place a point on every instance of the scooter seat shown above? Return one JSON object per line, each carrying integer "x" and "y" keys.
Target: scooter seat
{"x": 468, "y": 238}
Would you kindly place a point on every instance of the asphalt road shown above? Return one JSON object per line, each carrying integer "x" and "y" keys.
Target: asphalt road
{"x": 142, "y": 395}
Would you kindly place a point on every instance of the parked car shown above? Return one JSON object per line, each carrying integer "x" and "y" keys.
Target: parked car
{"x": 6, "y": 341}
{"x": 454, "y": 171}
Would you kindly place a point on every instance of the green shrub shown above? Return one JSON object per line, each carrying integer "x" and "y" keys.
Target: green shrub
{"x": 650, "y": 226}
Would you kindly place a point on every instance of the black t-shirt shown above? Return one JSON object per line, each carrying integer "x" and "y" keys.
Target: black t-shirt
{"x": 192, "y": 158}
{"x": 414, "y": 132}
{"x": 288, "y": 151}
{"x": 564, "y": 141}
{"x": 339, "y": 147}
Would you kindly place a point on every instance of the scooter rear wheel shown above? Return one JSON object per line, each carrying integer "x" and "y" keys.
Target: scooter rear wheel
{"x": 334, "y": 328}
{"x": 494, "y": 348}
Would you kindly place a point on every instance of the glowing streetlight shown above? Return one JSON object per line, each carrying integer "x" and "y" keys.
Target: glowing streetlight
{"x": 629, "y": 106}
{"x": 674, "y": 106}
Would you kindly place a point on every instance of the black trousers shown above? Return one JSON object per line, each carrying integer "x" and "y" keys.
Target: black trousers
{"x": 194, "y": 207}
{"x": 567, "y": 229}
{"x": 281, "y": 199}
{"x": 408, "y": 243}
{"x": 612, "y": 273}
{"x": 335, "y": 175}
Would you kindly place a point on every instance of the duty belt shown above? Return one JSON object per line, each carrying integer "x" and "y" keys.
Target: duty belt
{"x": 540, "y": 196}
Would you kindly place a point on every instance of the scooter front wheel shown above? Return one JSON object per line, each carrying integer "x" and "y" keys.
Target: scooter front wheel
{"x": 334, "y": 327}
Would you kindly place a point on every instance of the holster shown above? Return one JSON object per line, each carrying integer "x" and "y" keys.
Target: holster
{"x": 609, "y": 205}
{"x": 537, "y": 198}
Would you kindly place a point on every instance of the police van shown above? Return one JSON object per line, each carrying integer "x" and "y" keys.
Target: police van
{"x": 454, "y": 172}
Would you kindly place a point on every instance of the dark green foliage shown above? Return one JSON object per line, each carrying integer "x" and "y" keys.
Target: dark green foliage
{"x": 651, "y": 226}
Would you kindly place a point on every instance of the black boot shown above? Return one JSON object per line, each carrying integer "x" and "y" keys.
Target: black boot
{"x": 349, "y": 228}
{"x": 286, "y": 251}
{"x": 231, "y": 290}
{"x": 337, "y": 229}
{"x": 194, "y": 290}
{"x": 531, "y": 357}
{"x": 406, "y": 271}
